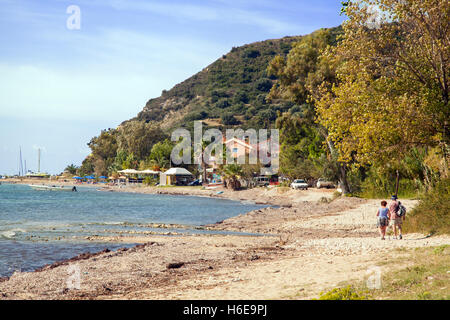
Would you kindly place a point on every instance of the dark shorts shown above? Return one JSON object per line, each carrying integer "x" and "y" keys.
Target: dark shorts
{"x": 382, "y": 222}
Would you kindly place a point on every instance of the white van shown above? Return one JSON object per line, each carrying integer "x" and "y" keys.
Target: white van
{"x": 262, "y": 181}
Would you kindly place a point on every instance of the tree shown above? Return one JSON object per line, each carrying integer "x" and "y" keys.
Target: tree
{"x": 104, "y": 149}
{"x": 72, "y": 169}
{"x": 392, "y": 92}
{"x": 229, "y": 119}
{"x": 232, "y": 173}
{"x": 87, "y": 166}
{"x": 138, "y": 138}
{"x": 300, "y": 78}
{"x": 160, "y": 154}
{"x": 300, "y": 146}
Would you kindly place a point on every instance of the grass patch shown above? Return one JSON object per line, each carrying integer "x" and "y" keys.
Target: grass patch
{"x": 426, "y": 278}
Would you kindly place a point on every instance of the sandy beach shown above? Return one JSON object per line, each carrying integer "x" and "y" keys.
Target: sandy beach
{"x": 309, "y": 242}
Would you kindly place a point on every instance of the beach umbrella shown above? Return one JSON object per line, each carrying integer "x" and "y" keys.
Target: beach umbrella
{"x": 103, "y": 177}
{"x": 76, "y": 177}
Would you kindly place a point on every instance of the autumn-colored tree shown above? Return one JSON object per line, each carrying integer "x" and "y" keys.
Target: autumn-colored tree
{"x": 392, "y": 93}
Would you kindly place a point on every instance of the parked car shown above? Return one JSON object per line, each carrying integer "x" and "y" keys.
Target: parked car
{"x": 262, "y": 181}
{"x": 195, "y": 183}
{"x": 323, "y": 183}
{"x": 299, "y": 184}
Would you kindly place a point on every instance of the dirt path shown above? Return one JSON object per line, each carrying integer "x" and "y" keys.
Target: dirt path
{"x": 310, "y": 245}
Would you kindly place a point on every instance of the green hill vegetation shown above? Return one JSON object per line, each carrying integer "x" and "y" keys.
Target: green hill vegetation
{"x": 230, "y": 91}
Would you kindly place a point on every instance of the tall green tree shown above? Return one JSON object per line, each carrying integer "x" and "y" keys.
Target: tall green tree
{"x": 104, "y": 149}
{"x": 300, "y": 77}
{"x": 138, "y": 138}
{"x": 160, "y": 154}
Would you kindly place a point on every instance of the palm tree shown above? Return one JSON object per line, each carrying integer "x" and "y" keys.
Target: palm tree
{"x": 232, "y": 173}
{"x": 72, "y": 169}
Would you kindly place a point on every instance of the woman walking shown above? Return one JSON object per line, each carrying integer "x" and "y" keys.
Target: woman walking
{"x": 383, "y": 218}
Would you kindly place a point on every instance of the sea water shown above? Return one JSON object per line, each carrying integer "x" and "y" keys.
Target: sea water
{"x": 41, "y": 227}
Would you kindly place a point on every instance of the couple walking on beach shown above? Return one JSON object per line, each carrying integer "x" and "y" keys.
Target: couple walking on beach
{"x": 393, "y": 215}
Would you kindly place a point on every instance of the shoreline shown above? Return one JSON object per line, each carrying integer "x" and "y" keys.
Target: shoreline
{"x": 314, "y": 244}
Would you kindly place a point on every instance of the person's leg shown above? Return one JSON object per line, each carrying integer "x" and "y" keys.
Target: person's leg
{"x": 394, "y": 227}
{"x": 399, "y": 226}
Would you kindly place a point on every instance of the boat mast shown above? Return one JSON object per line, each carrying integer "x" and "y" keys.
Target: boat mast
{"x": 39, "y": 160}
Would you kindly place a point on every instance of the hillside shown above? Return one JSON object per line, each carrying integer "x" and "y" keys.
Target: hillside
{"x": 230, "y": 91}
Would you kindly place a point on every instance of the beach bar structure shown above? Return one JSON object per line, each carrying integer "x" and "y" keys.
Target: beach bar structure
{"x": 175, "y": 176}
{"x": 129, "y": 173}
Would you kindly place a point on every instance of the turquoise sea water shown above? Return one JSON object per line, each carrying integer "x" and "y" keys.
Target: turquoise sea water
{"x": 41, "y": 227}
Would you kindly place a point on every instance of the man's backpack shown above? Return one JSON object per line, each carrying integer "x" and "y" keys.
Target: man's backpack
{"x": 401, "y": 210}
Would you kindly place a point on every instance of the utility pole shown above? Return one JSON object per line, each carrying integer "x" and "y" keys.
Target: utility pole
{"x": 20, "y": 162}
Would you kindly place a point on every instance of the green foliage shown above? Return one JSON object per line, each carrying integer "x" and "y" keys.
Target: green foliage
{"x": 346, "y": 293}
{"x": 150, "y": 181}
{"x": 232, "y": 173}
{"x": 221, "y": 87}
{"x": 160, "y": 154}
{"x": 138, "y": 138}
{"x": 440, "y": 250}
{"x": 300, "y": 147}
{"x": 72, "y": 169}
{"x": 87, "y": 167}
{"x": 432, "y": 214}
{"x": 263, "y": 85}
{"x": 222, "y": 103}
{"x": 251, "y": 53}
{"x": 229, "y": 119}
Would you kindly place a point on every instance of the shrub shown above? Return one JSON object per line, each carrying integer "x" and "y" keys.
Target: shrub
{"x": 431, "y": 215}
{"x": 241, "y": 97}
{"x": 222, "y": 104}
{"x": 264, "y": 85}
{"x": 251, "y": 53}
{"x": 150, "y": 181}
{"x": 229, "y": 119}
{"x": 346, "y": 293}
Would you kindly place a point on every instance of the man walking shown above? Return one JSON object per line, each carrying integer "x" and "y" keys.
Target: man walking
{"x": 395, "y": 218}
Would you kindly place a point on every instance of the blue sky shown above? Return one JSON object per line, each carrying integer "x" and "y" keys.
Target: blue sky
{"x": 60, "y": 87}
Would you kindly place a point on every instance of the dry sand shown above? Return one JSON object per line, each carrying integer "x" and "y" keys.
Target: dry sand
{"x": 309, "y": 244}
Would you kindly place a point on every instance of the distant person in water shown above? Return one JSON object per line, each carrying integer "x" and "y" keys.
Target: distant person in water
{"x": 383, "y": 218}
{"x": 74, "y": 189}
{"x": 396, "y": 220}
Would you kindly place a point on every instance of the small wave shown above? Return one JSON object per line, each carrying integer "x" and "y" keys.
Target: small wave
{"x": 10, "y": 234}
{"x": 112, "y": 223}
